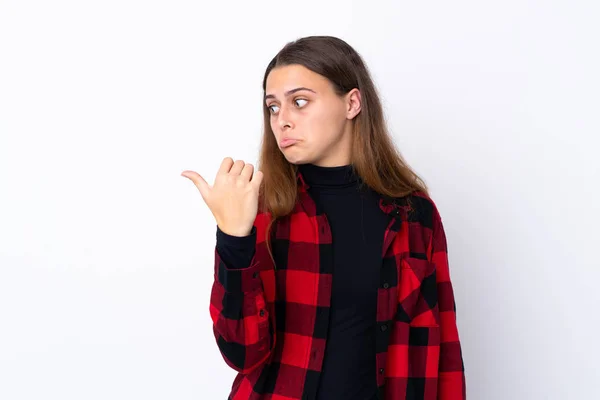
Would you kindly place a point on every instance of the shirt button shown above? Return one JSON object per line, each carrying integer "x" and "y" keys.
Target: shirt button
{"x": 383, "y": 328}
{"x": 386, "y": 285}
{"x": 381, "y": 371}
{"x": 261, "y": 313}
{"x": 255, "y": 275}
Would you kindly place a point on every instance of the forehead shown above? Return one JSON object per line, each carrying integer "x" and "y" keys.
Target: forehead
{"x": 288, "y": 77}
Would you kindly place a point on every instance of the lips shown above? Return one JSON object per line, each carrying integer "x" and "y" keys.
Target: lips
{"x": 287, "y": 142}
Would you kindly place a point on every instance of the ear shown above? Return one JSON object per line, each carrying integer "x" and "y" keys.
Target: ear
{"x": 353, "y": 103}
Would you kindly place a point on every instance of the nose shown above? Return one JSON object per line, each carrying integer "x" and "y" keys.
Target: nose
{"x": 283, "y": 119}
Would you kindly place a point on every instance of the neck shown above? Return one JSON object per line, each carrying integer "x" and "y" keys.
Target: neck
{"x": 318, "y": 176}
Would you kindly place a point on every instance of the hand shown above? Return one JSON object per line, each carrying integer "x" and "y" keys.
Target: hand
{"x": 233, "y": 199}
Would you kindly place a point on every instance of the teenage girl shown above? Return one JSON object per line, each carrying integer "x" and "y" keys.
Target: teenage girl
{"x": 331, "y": 275}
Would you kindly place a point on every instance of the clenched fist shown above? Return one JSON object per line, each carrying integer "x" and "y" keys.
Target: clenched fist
{"x": 233, "y": 198}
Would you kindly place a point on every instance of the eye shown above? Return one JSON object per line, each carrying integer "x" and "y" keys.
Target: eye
{"x": 296, "y": 100}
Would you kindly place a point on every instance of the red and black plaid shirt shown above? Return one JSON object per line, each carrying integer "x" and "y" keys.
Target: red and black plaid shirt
{"x": 270, "y": 323}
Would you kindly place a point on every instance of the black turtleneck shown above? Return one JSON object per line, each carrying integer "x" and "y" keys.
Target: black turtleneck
{"x": 358, "y": 226}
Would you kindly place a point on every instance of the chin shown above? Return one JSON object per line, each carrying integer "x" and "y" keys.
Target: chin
{"x": 298, "y": 156}
{"x": 296, "y": 159}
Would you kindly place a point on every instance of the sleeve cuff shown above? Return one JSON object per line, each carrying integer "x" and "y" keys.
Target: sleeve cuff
{"x": 238, "y": 280}
{"x": 236, "y": 267}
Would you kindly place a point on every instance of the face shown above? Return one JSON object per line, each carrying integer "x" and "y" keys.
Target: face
{"x": 311, "y": 123}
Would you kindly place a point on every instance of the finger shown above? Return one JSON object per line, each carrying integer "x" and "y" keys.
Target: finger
{"x": 199, "y": 181}
{"x": 257, "y": 178}
{"x": 225, "y": 165}
{"x": 237, "y": 167}
{"x": 247, "y": 172}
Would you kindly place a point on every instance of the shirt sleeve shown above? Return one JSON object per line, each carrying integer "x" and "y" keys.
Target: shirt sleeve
{"x": 241, "y": 319}
{"x": 451, "y": 377}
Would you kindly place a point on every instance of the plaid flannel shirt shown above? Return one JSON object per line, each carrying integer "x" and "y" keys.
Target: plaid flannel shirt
{"x": 270, "y": 321}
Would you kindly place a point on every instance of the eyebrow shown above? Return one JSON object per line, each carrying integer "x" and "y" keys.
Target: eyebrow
{"x": 289, "y": 92}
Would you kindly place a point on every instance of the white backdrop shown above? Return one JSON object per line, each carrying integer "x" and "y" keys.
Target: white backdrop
{"x": 106, "y": 252}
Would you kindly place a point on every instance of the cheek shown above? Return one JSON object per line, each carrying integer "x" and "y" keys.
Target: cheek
{"x": 273, "y": 126}
{"x": 328, "y": 125}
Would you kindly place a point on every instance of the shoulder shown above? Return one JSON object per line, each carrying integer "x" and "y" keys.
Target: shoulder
{"x": 419, "y": 207}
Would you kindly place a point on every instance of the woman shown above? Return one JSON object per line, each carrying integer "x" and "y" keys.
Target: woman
{"x": 331, "y": 273}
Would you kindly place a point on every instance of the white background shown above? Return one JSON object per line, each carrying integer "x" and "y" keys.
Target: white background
{"x": 106, "y": 252}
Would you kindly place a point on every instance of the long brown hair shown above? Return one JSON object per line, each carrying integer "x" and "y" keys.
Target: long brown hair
{"x": 374, "y": 156}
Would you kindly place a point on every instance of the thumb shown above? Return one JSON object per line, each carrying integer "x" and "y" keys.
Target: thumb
{"x": 199, "y": 181}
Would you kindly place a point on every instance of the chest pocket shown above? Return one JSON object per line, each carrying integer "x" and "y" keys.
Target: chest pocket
{"x": 417, "y": 293}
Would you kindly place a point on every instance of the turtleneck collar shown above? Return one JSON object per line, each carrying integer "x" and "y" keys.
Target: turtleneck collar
{"x": 329, "y": 177}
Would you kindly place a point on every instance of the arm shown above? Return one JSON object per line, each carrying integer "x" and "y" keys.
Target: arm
{"x": 451, "y": 378}
{"x": 237, "y": 305}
